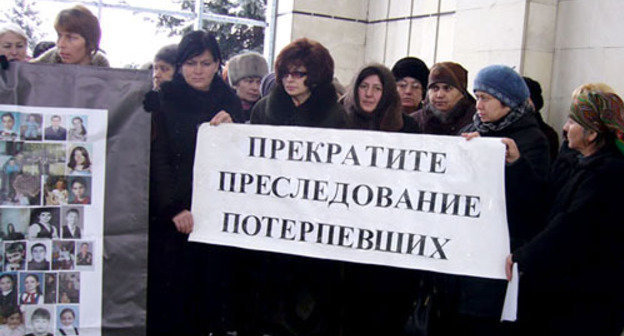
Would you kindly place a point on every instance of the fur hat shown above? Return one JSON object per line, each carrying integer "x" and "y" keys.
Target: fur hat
{"x": 449, "y": 73}
{"x": 411, "y": 67}
{"x": 504, "y": 83}
{"x": 535, "y": 91}
{"x": 249, "y": 64}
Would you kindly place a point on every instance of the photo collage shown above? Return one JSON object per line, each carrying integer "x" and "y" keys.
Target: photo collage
{"x": 45, "y": 188}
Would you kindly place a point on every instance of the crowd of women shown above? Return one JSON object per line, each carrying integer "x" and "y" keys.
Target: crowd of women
{"x": 562, "y": 204}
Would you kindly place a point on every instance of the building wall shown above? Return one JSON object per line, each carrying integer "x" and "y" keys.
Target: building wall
{"x": 560, "y": 43}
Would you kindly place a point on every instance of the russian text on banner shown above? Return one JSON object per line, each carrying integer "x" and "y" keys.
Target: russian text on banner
{"x": 414, "y": 201}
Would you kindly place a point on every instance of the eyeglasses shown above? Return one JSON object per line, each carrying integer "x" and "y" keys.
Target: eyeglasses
{"x": 405, "y": 86}
{"x": 295, "y": 74}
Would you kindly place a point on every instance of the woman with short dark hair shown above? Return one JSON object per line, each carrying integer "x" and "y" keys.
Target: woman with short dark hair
{"x": 195, "y": 95}
{"x": 78, "y": 39}
{"x": 304, "y": 95}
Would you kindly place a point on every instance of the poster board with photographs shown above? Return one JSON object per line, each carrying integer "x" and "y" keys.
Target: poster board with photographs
{"x": 52, "y": 165}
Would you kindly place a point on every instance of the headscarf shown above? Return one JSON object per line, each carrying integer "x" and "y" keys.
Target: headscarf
{"x": 602, "y": 112}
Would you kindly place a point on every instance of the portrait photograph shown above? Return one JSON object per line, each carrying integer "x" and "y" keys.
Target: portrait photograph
{"x": 79, "y": 190}
{"x": 9, "y": 129}
{"x": 67, "y": 319}
{"x": 44, "y": 223}
{"x": 31, "y": 126}
{"x": 14, "y": 256}
{"x": 77, "y": 128}
{"x": 56, "y": 127}
{"x": 72, "y": 223}
{"x": 40, "y": 320}
{"x": 31, "y": 288}
{"x": 84, "y": 255}
{"x": 39, "y": 255}
{"x": 55, "y": 190}
{"x": 79, "y": 159}
{"x": 14, "y": 223}
{"x": 69, "y": 287}
{"x": 8, "y": 290}
{"x": 51, "y": 282}
{"x": 63, "y": 255}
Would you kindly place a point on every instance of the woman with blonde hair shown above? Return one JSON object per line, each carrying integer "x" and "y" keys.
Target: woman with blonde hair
{"x": 78, "y": 39}
{"x": 13, "y": 42}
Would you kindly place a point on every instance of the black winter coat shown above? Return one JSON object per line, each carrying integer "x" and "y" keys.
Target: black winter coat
{"x": 576, "y": 264}
{"x": 524, "y": 191}
{"x": 320, "y": 110}
{"x": 182, "y": 110}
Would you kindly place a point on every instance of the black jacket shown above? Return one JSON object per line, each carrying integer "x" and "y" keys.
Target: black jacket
{"x": 525, "y": 199}
{"x": 576, "y": 264}
{"x": 182, "y": 110}
{"x": 320, "y": 110}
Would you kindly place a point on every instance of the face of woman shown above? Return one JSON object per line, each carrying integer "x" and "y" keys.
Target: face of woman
{"x": 13, "y": 46}
{"x": 490, "y": 109}
{"x": 77, "y": 124}
{"x": 67, "y": 319}
{"x": 576, "y": 135}
{"x": 199, "y": 71}
{"x": 31, "y": 284}
{"x": 72, "y": 48}
{"x": 410, "y": 90}
{"x": 369, "y": 93}
{"x": 79, "y": 157}
{"x": 163, "y": 72}
{"x": 45, "y": 217}
{"x": 294, "y": 83}
{"x": 78, "y": 189}
{"x": 6, "y": 284}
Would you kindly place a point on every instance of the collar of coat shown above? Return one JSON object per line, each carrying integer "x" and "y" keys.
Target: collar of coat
{"x": 52, "y": 56}
{"x": 186, "y": 99}
{"x": 319, "y": 106}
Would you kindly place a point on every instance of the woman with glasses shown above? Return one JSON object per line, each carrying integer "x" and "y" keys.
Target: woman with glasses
{"x": 304, "y": 94}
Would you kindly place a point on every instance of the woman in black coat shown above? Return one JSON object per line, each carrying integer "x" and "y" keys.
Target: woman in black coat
{"x": 298, "y": 294}
{"x": 371, "y": 305}
{"x": 503, "y": 111}
{"x": 574, "y": 268}
{"x": 196, "y": 95}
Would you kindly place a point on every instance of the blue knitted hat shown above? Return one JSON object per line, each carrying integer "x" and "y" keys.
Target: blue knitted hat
{"x": 503, "y": 83}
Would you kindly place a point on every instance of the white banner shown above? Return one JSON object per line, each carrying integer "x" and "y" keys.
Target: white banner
{"x": 414, "y": 201}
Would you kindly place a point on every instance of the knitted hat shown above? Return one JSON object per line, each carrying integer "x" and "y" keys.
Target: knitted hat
{"x": 503, "y": 83}
{"x": 411, "y": 67}
{"x": 250, "y": 64}
{"x": 535, "y": 90}
{"x": 449, "y": 73}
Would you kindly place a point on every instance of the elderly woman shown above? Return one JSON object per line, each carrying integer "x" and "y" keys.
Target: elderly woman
{"x": 575, "y": 265}
{"x": 78, "y": 39}
{"x": 411, "y": 76}
{"x": 192, "y": 294}
{"x": 13, "y": 42}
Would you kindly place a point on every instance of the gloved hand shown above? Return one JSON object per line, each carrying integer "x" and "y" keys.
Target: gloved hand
{"x": 4, "y": 62}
